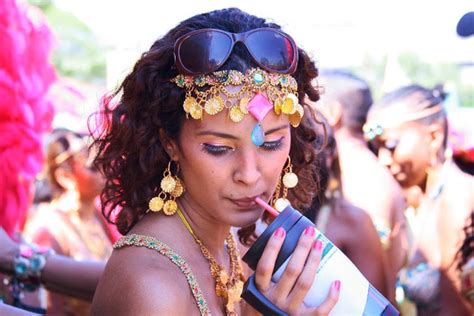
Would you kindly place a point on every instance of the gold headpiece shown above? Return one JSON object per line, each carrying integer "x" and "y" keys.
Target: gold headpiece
{"x": 259, "y": 92}
{"x": 374, "y": 127}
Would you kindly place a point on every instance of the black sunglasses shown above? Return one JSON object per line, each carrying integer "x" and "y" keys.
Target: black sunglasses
{"x": 206, "y": 50}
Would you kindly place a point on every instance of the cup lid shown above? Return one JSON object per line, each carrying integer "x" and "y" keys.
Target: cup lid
{"x": 286, "y": 219}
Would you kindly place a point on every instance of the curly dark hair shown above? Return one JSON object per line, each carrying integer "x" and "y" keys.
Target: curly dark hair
{"x": 130, "y": 153}
{"x": 467, "y": 249}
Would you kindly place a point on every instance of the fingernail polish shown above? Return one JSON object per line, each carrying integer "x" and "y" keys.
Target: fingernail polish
{"x": 337, "y": 285}
{"x": 309, "y": 231}
{"x": 317, "y": 245}
{"x": 279, "y": 232}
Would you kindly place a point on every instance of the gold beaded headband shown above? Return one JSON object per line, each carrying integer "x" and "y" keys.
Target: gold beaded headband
{"x": 373, "y": 128}
{"x": 258, "y": 93}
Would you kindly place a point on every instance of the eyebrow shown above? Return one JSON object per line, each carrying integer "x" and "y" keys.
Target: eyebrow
{"x": 276, "y": 129}
{"x": 229, "y": 136}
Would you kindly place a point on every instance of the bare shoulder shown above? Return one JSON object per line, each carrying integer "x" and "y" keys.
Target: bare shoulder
{"x": 349, "y": 221}
{"x": 463, "y": 183}
{"x": 352, "y": 216}
{"x": 140, "y": 281}
{"x": 459, "y": 195}
{"x": 375, "y": 190}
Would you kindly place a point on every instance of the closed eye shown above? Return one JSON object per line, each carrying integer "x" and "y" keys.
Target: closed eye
{"x": 216, "y": 150}
{"x": 219, "y": 150}
{"x": 273, "y": 145}
{"x": 391, "y": 144}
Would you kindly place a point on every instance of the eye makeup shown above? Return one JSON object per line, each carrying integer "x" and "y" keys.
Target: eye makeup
{"x": 219, "y": 150}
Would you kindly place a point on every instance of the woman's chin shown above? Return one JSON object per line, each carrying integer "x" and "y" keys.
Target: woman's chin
{"x": 248, "y": 218}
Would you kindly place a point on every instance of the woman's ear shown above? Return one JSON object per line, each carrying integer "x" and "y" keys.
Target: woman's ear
{"x": 437, "y": 135}
{"x": 169, "y": 145}
{"x": 332, "y": 111}
{"x": 335, "y": 108}
{"x": 65, "y": 178}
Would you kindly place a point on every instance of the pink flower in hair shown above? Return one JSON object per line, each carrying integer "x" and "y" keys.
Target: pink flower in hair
{"x": 25, "y": 112}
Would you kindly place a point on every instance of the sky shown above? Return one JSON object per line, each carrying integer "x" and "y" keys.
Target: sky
{"x": 336, "y": 33}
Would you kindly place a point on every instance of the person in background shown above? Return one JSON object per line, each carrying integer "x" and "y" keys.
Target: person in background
{"x": 57, "y": 273}
{"x": 464, "y": 156}
{"x": 466, "y": 262}
{"x": 407, "y": 129}
{"x": 70, "y": 224}
{"x": 340, "y": 220}
{"x": 26, "y": 113}
{"x": 365, "y": 183}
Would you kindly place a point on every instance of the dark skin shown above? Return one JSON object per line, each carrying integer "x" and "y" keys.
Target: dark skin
{"x": 387, "y": 206}
{"x": 218, "y": 195}
{"x": 60, "y": 274}
{"x": 156, "y": 271}
{"x": 345, "y": 223}
{"x": 409, "y": 151}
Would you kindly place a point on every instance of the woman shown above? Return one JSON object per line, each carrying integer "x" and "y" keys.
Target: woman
{"x": 466, "y": 262}
{"x": 70, "y": 223}
{"x": 202, "y": 127}
{"x": 407, "y": 129}
{"x": 340, "y": 220}
{"x": 345, "y": 103}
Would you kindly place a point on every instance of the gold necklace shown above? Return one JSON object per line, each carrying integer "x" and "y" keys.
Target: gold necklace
{"x": 229, "y": 288}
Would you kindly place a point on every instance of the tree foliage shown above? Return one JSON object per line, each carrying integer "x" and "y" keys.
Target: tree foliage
{"x": 78, "y": 53}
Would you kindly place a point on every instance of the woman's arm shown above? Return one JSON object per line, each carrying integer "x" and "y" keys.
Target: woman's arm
{"x": 8, "y": 251}
{"x": 70, "y": 277}
{"x": 364, "y": 248}
{"x": 60, "y": 274}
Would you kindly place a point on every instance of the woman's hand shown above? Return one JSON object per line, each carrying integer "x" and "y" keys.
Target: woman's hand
{"x": 289, "y": 292}
{"x": 8, "y": 251}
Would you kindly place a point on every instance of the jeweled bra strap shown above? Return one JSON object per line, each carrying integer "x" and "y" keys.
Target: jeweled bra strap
{"x": 165, "y": 250}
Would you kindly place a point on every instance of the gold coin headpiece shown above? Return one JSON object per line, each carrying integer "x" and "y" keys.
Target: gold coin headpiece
{"x": 259, "y": 92}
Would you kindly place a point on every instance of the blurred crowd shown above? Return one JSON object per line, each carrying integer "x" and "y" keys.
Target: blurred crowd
{"x": 397, "y": 190}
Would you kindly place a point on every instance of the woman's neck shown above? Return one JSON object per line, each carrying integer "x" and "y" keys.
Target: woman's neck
{"x": 428, "y": 189}
{"x": 207, "y": 229}
{"x": 71, "y": 201}
{"x": 345, "y": 138}
{"x": 87, "y": 210}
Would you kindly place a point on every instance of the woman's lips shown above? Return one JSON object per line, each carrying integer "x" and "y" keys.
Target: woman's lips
{"x": 245, "y": 202}
{"x": 401, "y": 176}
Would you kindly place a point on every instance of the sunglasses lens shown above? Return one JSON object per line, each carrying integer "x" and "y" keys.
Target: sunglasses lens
{"x": 271, "y": 49}
{"x": 204, "y": 52}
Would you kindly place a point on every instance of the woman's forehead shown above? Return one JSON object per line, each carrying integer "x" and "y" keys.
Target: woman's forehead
{"x": 396, "y": 111}
{"x": 407, "y": 128}
{"x": 223, "y": 124}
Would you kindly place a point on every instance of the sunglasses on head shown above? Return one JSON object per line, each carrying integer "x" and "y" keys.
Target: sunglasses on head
{"x": 206, "y": 50}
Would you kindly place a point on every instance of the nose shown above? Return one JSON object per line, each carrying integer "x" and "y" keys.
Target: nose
{"x": 247, "y": 169}
{"x": 385, "y": 157}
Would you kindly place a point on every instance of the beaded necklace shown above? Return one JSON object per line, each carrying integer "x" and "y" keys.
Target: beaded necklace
{"x": 227, "y": 287}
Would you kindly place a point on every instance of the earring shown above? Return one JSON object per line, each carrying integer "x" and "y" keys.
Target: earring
{"x": 333, "y": 190}
{"x": 289, "y": 181}
{"x": 432, "y": 171}
{"x": 171, "y": 188}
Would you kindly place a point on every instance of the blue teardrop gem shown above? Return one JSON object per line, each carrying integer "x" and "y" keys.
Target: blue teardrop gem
{"x": 258, "y": 135}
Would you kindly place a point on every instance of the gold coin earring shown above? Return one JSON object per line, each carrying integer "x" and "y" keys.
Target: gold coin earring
{"x": 289, "y": 180}
{"x": 171, "y": 188}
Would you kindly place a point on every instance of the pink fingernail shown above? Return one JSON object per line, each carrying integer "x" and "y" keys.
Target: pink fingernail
{"x": 317, "y": 245}
{"x": 279, "y": 232}
{"x": 309, "y": 231}
{"x": 337, "y": 285}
